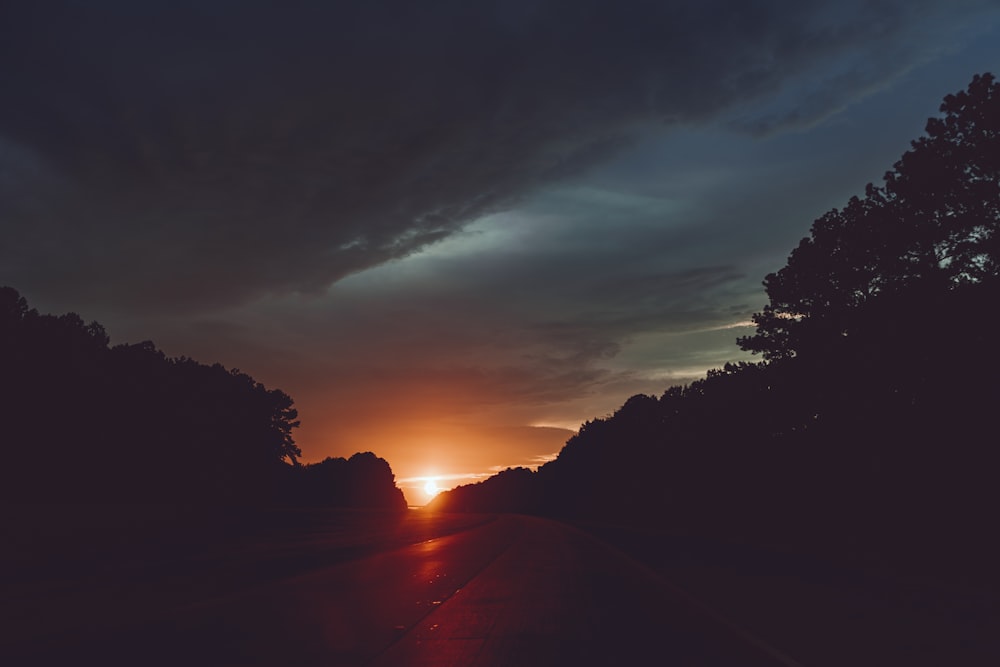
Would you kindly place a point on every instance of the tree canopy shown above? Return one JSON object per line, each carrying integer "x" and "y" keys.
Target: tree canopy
{"x": 933, "y": 227}
{"x": 870, "y": 422}
{"x": 86, "y": 422}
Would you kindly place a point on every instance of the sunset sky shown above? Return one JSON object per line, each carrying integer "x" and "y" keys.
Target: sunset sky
{"x": 451, "y": 231}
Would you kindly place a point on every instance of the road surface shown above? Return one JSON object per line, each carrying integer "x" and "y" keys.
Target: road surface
{"x": 506, "y": 590}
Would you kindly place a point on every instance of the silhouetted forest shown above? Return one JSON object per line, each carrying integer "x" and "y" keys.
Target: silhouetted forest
{"x": 86, "y": 422}
{"x": 871, "y": 416}
{"x": 362, "y": 481}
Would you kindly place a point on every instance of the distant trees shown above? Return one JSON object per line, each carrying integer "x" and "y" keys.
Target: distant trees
{"x": 362, "y": 481}
{"x": 84, "y": 422}
{"x": 510, "y": 490}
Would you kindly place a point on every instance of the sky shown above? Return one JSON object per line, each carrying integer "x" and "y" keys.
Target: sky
{"x": 451, "y": 231}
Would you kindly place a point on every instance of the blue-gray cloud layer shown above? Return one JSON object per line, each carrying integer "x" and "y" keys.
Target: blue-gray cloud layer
{"x": 189, "y": 154}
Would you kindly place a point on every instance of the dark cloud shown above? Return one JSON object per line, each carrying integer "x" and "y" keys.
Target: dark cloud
{"x": 191, "y": 154}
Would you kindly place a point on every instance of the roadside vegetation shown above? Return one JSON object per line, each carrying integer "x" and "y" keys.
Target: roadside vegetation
{"x": 85, "y": 422}
{"x": 868, "y": 429}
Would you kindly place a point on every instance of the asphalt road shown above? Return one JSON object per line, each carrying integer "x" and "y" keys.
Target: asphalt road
{"x": 507, "y": 590}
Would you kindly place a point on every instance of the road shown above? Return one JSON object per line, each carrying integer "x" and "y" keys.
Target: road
{"x": 506, "y": 590}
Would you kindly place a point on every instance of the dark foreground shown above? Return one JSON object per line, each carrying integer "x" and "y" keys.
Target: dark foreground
{"x": 343, "y": 589}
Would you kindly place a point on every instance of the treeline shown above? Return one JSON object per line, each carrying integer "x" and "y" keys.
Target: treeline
{"x": 873, "y": 414}
{"x": 86, "y": 422}
{"x": 362, "y": 481}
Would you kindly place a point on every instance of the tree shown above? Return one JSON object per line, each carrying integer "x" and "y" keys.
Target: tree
{"x": 932, "y": 228}
{"x": 80, "y": 421}
{"x": 363, "y": 481}
{"x": 870, "y": 425}
{"x": 949, "y": 184}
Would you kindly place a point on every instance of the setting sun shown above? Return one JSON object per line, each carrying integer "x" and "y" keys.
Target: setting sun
{"x": 431, "y": 488}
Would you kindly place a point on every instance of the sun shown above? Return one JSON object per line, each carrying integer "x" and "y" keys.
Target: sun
{"x": 431, "y": 488}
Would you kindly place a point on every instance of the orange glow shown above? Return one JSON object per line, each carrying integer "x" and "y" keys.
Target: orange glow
{"x": 431, "y": 488}
{"x": 423, "y": 439}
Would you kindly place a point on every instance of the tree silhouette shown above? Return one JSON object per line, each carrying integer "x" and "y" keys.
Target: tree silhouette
{"x": 362, "y": 481}
{"x": 932, "y": 228}
{"x": 870, "y": 422}
{"x": 510, "y": 490}
{"x": 85, "y": 422}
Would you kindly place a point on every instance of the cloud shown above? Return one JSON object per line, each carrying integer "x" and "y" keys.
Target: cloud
{"x": 191, "y": 155}
{"x": 888, "y": 49}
